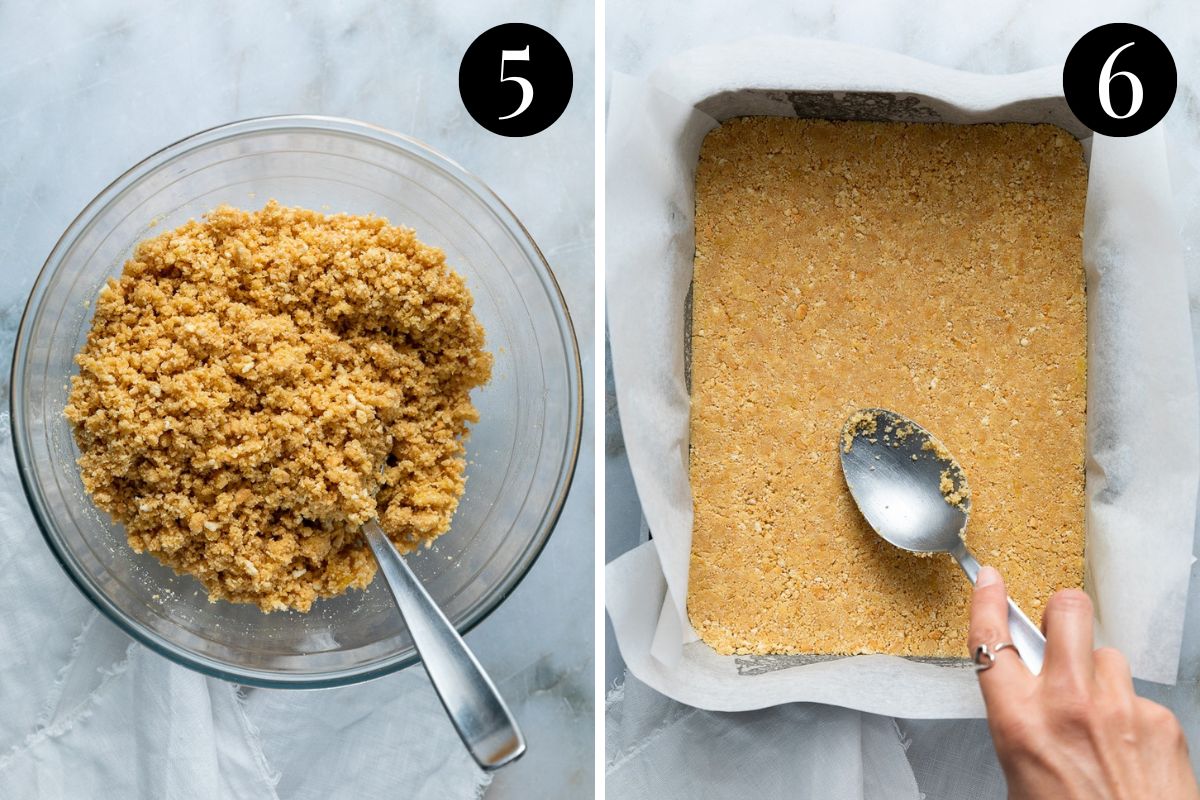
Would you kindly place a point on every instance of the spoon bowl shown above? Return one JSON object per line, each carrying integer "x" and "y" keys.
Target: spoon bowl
{"x": 894, "y": 469}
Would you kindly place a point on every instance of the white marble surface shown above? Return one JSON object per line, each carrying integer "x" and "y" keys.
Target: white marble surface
{"x": 997, "y": 37}
{"x": 89, "y": 88}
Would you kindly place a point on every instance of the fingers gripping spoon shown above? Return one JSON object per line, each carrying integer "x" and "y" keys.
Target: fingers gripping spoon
{"x": 476, "y": 709}
{"x": 915, "y": 495}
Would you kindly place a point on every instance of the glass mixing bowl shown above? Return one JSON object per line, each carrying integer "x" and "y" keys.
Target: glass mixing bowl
{"x": 521, "y": 454}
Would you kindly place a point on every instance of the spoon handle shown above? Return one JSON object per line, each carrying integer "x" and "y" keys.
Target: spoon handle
{"x": 476, "y": 709}
{"x": 1028, "y": 638}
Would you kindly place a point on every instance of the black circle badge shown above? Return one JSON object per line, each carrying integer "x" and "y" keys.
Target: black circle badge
{"x": 1120, "y": 79}
{"x": 515, "y": 79}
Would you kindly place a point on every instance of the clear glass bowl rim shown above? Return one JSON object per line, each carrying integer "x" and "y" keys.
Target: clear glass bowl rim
{"x": 159, "y": 159}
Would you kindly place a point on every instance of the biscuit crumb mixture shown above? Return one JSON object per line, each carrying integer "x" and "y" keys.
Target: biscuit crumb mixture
{"x": 954, "y": 490}
{"x": 931, "y": 269}
{"x": 861, "y": 423}
{"x": 257, "y": 385}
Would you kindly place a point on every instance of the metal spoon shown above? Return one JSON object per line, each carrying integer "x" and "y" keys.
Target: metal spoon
{"x": 476, "y": 709}
{"x": 915, "y": 495}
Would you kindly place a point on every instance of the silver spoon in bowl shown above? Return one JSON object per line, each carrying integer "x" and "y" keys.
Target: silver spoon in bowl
{"x": 475, "y": 708}
{"x": 915, "y": 495}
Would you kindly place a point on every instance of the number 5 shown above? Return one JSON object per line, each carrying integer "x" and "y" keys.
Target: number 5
{"x": 526, "y": 86}
{"x": 1106, "y": 79}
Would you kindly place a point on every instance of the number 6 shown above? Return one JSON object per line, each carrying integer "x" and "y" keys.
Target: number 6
{"x": 1106, "y": 78}
{"x": 527, "y": 87}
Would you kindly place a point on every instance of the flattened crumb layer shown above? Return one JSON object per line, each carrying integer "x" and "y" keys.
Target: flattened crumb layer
{"x": 256, "y": 385}
{"x": 931, "y": 269}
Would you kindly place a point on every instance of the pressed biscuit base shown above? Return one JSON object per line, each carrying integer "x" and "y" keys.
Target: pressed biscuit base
{"x": 935, "y": 270}
{"x": 257, "y": 385}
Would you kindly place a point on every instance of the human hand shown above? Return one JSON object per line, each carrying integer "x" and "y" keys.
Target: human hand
{"x": 1077, "y": 730}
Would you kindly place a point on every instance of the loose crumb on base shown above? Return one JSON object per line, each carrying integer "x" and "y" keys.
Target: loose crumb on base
{"x": 257, "y": 385}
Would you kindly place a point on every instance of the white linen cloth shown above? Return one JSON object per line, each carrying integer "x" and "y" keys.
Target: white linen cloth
{"x": 657, "y": 748}
{"x": 87, "y": 712}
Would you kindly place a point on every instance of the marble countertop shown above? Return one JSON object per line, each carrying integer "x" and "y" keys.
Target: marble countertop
{"x": 89, "y": 88}
{"x": 998, "y": 37}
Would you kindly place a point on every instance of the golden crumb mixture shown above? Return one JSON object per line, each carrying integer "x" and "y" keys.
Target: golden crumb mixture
{"x": 934, "y": 270}
{"x": 257, "y": 385}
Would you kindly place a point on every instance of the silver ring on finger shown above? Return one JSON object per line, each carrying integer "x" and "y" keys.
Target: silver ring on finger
{"x": 996, "y": 648}
{"x": 985, "y": 657}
